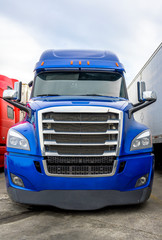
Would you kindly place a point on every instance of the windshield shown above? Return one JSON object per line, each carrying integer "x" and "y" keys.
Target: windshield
{"x": 79, "y": 84}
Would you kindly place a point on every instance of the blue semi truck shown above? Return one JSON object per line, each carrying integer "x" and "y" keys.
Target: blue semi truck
{"x": 79, "y": 146}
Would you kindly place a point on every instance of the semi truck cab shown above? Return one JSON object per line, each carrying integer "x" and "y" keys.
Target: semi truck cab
{"x": 9, "y": 115}
{"x": 79, "y": 146}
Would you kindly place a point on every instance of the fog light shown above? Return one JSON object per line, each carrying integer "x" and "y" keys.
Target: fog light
{"x": 142, "y": 180}
{"x": 17, "y": 180}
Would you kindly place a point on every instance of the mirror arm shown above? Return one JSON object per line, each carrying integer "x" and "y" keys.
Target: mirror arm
{"x": 139, "y": 106}
{"x": 20, "y": 106}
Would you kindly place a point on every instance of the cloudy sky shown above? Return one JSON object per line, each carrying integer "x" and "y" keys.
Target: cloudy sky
{"x": 131, "y": 29}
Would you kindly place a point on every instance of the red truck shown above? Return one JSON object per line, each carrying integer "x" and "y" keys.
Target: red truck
{"x": 9, "y": 115}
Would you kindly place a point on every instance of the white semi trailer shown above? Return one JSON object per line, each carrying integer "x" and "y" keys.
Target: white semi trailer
{"x": 150, "y": 76}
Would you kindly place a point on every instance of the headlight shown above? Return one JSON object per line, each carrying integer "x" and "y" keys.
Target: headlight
{"x": 141, "y": 141}
{"x": 17, "y": 140}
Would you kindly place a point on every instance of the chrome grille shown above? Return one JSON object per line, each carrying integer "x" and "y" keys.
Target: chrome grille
{"x": 80, "y": 117}
{"x": 79, "y": 127}
{"x": 74, "y": 149}
{"x": 80, "y": 132}
{"x": 80, "y": 166}
{"x": 100, "y": 138}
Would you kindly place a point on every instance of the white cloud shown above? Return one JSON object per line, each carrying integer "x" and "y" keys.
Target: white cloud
{"x": 132, "y": 29}
{"x": 137, "y": 50}
{"x": 18, "y": 51}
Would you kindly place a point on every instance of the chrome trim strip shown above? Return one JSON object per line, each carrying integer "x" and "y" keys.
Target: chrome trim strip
{"x": 107, "y": 143}
{"x": 80, "y": 122}
{"x": 120, "y": 128}
{"x": 77, "y": 109}
{"x": 80, "y": 176}
{"x": 75, "y": 155}
{"x": 81, "y": 133}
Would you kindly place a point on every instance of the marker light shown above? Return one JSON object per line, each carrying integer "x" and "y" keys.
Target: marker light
{"x": 117, "y": 64}
{"x": 88, "y": 62}
{"x": 71, "y": 62}
{"x": 80, "y": 62}
{"x": 42, "y": 63}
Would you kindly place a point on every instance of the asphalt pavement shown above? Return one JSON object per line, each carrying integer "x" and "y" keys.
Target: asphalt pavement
{"x": 141, "y": 222}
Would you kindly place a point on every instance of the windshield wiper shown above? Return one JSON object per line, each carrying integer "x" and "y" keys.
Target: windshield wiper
{"x": 46, "y": 95}
{"x": 99, "y": 95}
{"x": 93, "y": 95}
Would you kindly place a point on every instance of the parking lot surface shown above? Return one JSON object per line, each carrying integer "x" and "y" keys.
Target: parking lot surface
{"x": 124, "y": 222}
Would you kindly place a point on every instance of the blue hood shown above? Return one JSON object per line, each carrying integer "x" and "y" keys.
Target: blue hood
{"x": 39, "y": 103}
{"x": 29, "y": 127}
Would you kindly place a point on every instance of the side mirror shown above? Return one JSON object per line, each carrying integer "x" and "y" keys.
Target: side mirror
{"x": 145, "y": 98}
{"x": 149, "y": 96}
{"x": 141, "y": 87}
{"x": 13, "y": 94}
{"x": 9, "y": 94}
